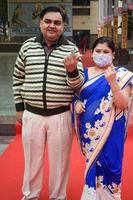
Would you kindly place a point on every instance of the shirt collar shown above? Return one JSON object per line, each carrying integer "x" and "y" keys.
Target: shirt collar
{"x": 62, "y": 40}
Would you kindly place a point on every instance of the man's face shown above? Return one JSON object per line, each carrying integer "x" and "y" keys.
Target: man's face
{"x": 52, "y": 26}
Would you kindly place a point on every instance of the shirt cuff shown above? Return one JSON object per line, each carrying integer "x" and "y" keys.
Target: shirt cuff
{"x": 19, "y": 107}
{"x": 73, "y": 74}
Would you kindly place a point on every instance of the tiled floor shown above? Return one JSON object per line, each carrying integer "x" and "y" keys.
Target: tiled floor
{"x": 7, "y": 61}
{"x": 4, "y": 142}
{"x": 7, "y": 110}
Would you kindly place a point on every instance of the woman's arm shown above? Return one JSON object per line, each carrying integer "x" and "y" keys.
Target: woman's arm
{"x": 120, "y": 96}
{"x": 79, "y": 107}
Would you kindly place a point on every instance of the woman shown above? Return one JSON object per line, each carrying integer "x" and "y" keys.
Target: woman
{"x": 102, "y": 109}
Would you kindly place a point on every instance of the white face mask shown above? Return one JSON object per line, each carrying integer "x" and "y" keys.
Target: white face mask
{"x": 102, "y": 60}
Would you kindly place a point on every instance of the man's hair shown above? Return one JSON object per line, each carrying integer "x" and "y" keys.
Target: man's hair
{"x": 53, "y": 9}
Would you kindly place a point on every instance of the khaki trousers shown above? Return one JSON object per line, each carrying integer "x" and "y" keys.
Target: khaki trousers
{"x": 56, "y": 130}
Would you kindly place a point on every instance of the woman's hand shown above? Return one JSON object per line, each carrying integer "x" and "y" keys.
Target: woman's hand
{"x": 110, "y": 75}
{"x": 79, "y": 107}
{"x": 120, "y": 96}
{"x": 19, "y": 116}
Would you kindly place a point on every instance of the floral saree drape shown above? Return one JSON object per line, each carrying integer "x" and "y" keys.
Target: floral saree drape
{"x": 101, "y": 132}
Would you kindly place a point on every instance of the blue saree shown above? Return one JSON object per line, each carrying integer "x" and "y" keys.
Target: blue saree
{"x": 101, "y": 132}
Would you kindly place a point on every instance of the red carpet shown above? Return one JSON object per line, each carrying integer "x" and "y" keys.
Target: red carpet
{"x": 127, "y": 179}
{"x": 87, "y": 59}
{"x": 11, "y": 171}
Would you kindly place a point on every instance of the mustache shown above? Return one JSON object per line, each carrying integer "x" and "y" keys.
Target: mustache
{"x": 51, "y": 29}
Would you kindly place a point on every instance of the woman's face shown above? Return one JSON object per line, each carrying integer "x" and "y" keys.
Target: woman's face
{"x": 103, "y": 55}
{"x": 103, "y": 49}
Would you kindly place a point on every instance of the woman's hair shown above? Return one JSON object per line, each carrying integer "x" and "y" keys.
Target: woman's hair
{"x": 106, "y": 40}
{"x": 53, "y": 9}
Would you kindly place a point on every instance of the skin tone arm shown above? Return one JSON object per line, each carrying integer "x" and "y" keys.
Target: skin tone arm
{"x": 19, "y": 116}
{"x": 79, "y": 107}
{"x": 120, "y": 97}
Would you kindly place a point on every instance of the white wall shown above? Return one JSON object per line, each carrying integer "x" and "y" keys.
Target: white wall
{"x": 87, "y": 22}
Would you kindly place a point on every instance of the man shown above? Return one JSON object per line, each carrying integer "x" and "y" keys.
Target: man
{"x": 47, "y": 72}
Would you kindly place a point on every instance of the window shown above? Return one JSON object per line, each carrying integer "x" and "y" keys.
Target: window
{"x": 81, "y": 2}
{"x": 81, "y": 11}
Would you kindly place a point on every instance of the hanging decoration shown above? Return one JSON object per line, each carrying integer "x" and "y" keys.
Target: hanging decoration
{"x": 118, "y": 11}
{"x": 124, "y": 29}
{"x": 115, "y": 31}
{"x": 130, "y": 6}
{"x": 104, "y": 27}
